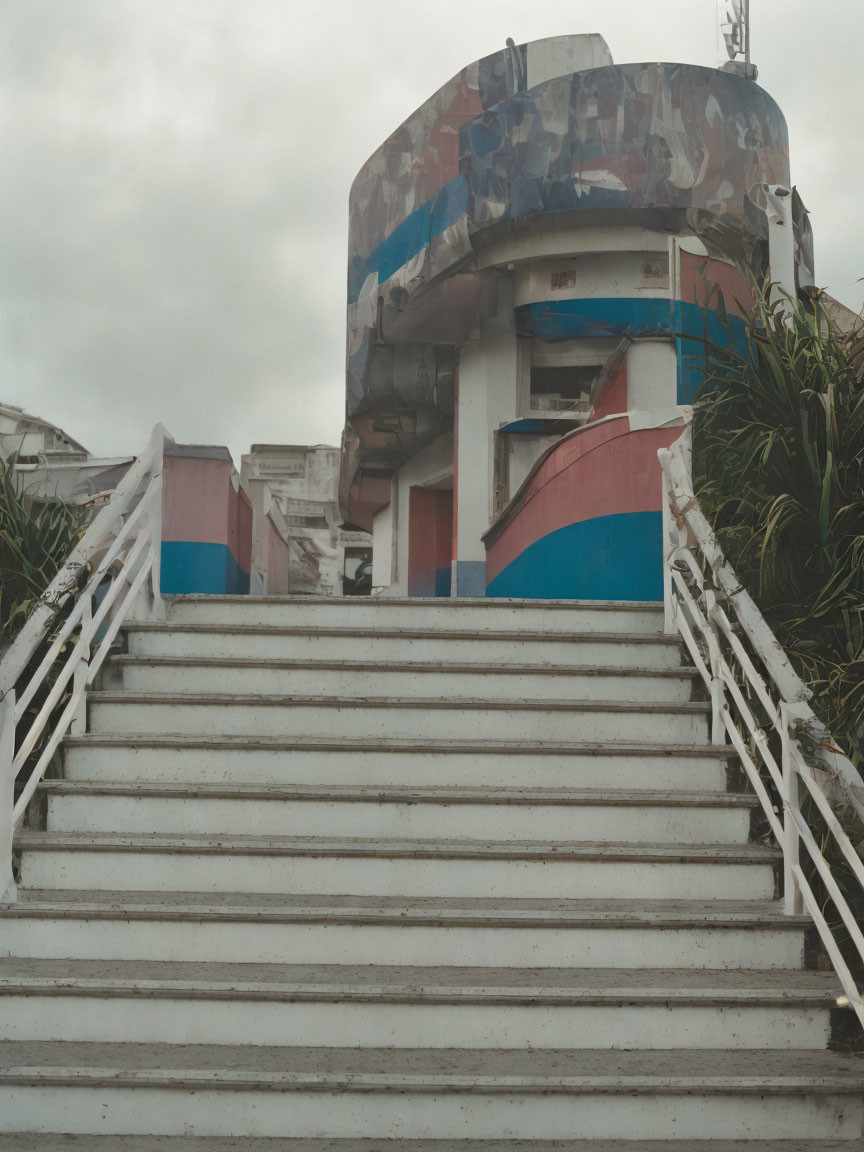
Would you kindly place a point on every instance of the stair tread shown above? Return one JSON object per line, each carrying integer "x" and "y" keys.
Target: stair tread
{"x": 421, "y": 703}
{"x": 435, "y": 745}
{"x": 486, "y": 1071}
{"x": 408, "y": 666}
{"x": 215, "y": 843}
{"x": 24, "y": 1142}
{"x": 407, "y": 632}
{"x": 455, "y": 603}
{"x": 382, "y": 983}
{"x": 416, "y": 910}
{"x": 63, "y": 1143}
{"x": 399, "y": 794}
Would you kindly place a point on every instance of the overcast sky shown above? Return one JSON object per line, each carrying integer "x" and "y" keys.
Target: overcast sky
{"x": 176, "y": 175}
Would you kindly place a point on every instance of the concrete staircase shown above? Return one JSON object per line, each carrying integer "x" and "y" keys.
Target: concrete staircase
{"x": 348, "y": 876}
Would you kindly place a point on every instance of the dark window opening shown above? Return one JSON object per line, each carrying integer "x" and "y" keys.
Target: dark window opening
{"x": 561, "y": 388}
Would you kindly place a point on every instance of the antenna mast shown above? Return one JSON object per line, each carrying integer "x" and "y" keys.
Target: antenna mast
{"x": 735, "y": 28}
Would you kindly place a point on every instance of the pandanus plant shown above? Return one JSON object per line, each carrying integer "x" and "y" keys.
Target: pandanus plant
{"x": 779, "y": 433}
{"x": 35, "y": 540}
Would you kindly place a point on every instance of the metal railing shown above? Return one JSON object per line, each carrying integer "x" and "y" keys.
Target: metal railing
{"x": 122, "y": 545}
{"x": 759, "y": 705}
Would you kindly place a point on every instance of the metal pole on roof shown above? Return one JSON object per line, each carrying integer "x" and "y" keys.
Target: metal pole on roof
{"x": 747, "y": 32}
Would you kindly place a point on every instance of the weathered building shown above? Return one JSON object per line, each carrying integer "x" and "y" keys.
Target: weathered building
{"x": 303, "y": 482}
{"x": 532, "y": 262}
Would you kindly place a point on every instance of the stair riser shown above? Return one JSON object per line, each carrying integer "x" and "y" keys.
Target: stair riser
{"x": 305, "y": 766}
{"x": 165, "y": 1111}
{"x": 259, "y": 942}
{"x": 445, "y": 615}
{"x": 471, "y": 649}
{"x": 381, "y": 682}
{"x": 381, "y": 1025}
{"x": 672, "y": 825}
{"x": 408, "y": 723}
{"x": 384, "y": 876}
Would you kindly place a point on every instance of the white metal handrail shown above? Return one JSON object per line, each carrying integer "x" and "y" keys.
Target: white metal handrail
{"x": 124, "y": 541}
{"x": 747, "y": 673}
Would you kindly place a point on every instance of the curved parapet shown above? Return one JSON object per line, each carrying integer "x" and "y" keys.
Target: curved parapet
{"x": 586, "y": 523}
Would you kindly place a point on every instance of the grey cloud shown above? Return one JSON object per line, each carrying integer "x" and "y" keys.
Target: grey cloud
{"x": 175, "y": 197}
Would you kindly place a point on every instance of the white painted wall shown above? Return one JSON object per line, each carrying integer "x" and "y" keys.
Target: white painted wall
{"x": 523, "y": 452}
{"x": 384, "y": 543}
{"x": 488, "y": 398}
{"x": 652, "y": 375}
{"x": 603, "y": 275}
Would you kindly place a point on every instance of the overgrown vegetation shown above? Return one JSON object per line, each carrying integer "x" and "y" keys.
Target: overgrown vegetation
{"x": 779, "y": 471}
{"x": 35, "y": 540}
{"x": 779, "y": 461}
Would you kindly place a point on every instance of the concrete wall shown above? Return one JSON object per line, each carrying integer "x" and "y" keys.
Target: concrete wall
{"x": 587, "y": 525}
{"x": 488, "y": 390}
{"x": 620, "y": 325}
{"x": 384, "y": 560}
{"x": 206, "y": 523}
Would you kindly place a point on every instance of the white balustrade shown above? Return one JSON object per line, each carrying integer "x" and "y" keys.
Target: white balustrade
{"x": 123, "y": 542}
{"x": 760, "y": 705}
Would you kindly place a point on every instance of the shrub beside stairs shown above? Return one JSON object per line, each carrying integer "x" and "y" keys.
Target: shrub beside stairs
{"x": 411, "y": 876}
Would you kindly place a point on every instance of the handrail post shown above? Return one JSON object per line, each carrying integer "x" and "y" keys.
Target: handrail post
{"x": 670, "y": 626}
{"x": 78, "y": 727}
{"x": 154, "y": 516}
{"x": 718, "y": 686}
{"x": 8, "y": 889}
{"x": 792, "y": 899}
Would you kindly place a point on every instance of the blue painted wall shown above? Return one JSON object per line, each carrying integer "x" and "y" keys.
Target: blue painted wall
{"x": 189, "y": 567}
{"x": 608, "y": 558}
{"x": 690, "y": 325}
{"x": 471, "y": 579}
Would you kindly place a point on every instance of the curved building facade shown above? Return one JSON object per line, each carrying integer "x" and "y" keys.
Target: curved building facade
{"x": 531, "y": 256}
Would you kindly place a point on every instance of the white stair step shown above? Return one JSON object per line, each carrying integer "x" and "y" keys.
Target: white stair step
{"x": 386, "y": 644}
{"x": 402, "y": 678}
{"x": 478, "y": 813}
{"x": 425, "y": 1093}
{"x": 332, "y": 1005}
{"x": 379, "y": 867}
{"x": 49, "y": 1142}
{"x": 391, "y": 761}
{"x": 368, "y": 612}
{"x": 260, "y": 928}
{"x": 190, "y": 713}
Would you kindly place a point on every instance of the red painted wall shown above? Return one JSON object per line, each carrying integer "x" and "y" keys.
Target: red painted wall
{"x": 430, "y": 537}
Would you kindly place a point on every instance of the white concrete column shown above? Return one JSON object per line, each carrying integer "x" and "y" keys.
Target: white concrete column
{"x": 384, "y": 525}
{"x": 652, "y": 375}
{"x": 487, "y": 399}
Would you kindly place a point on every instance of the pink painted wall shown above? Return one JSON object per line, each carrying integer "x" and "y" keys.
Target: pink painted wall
{"x": 601, "y": 470}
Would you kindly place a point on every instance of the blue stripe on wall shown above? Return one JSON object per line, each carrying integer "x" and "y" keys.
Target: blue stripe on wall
{"x": 691, "y": 320}
{"x": 595, "y": 318}
{"x": 615, "y": 557}
{"x": 415, "y": 233}
{"x": 443, "y": 579}
{"x": 690, "y": 324}
{"x": 470, "y": 578}
{"x": 189, "y": 566}
{"x": 427, "y": 585}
